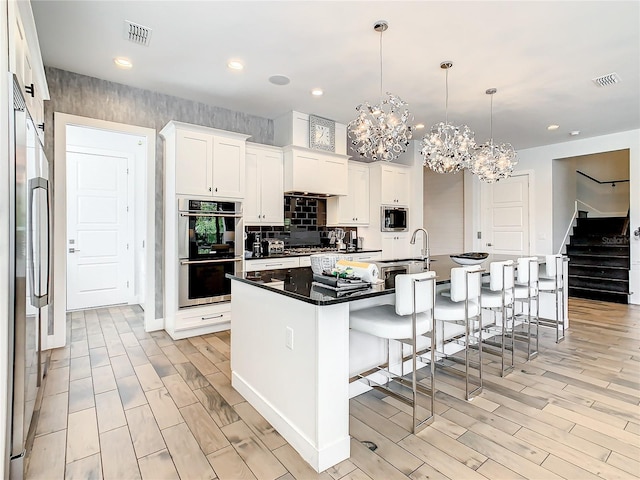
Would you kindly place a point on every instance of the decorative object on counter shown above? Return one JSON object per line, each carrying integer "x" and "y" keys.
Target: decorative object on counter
{"x": 492, "y": 162}
{"x": 381, "y": 131}
{"x": 447, "y": 148}
{"x": 471, "y": 258}
{"x": 367, "y": 271}
{"x": 322, "y": 262}
{"x": 322, "y": 133}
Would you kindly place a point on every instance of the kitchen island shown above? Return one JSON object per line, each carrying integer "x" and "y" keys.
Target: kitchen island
{"x": 292, "y": 353}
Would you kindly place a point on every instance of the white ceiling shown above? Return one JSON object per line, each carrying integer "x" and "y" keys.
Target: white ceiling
{"x": 540, "y": 55}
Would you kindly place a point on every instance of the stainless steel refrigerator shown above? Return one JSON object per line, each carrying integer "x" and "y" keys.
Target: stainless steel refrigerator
{"x": 30, "y": 246}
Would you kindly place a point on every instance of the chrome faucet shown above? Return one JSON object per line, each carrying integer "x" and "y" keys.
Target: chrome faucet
{"x": 425, "y": 243}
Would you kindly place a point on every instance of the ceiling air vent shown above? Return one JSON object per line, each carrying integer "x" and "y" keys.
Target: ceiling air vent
{"x": 606, "y": 80}
{"x": 137, "y": 33}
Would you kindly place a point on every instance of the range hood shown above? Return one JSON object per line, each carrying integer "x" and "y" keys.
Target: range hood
{"x": 320, "y": 196}
{"x": 314, "y": 173}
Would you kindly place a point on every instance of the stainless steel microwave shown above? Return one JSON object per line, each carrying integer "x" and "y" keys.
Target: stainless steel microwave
{"x": 394, "y": 219}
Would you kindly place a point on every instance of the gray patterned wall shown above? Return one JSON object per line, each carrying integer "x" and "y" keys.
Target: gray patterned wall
{"x": 95, "y": 98}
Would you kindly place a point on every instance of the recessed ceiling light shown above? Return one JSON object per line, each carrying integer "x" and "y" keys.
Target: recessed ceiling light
{"x": 279, "y": 79}
{"x": 122, "y": 62}
{"x": 553, "y": 127}
{"x": 574, "y": 133}
{"x": 235, "y": 65}
{"x": 317, "y": 92}
{"x": 419, "y": 126}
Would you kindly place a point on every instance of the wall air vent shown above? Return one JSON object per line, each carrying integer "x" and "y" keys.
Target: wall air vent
{"x": 606, "y": 80}
{"x": 137, "y": 33}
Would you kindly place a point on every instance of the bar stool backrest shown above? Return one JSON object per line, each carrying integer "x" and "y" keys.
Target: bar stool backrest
{"x": 423, "y": 291}
{"x": 528, "y": 269}
{"x": 551, "y": 265}
{"x": 462, "y": 290}
{"x": 501, "y": 275}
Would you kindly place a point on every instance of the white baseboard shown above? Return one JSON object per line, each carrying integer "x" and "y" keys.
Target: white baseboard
{"x": 319, "y": 459}
{"x": 154, "y": 325}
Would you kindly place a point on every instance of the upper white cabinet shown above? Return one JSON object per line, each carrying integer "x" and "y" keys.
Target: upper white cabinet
{"x": 208, "y": 162}
{"x": 264, "y": 187}
{"x": 353, "y": 208}
{"x": 25, "y": 60}
{"x": 313, "y": 171}
{"x": 394, "y": 184}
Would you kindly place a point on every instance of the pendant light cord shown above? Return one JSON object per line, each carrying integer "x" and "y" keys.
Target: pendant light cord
{"x": 381, "y": 32}
{"x": 446, "y": 96}
{"x": 491, "y": 121}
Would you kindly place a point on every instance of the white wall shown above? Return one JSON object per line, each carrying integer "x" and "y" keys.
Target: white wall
{"x": 444, "y": 211}
{"x": 564, "y": 198}
{"x": 603, "y": 200}
{"x": 540, "y": 160}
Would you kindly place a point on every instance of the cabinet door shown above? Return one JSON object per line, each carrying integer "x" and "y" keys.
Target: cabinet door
{"x": 272, "y": 190}
{"x": 402, "y": 188}
{"x": 193, "y": 163}
{"x": 334, "y": 175}
{"x": 395, "y": 245}
{"x": 228, "y": 168}
{"x": 359, "y": 193}
{"x": 395, "y": 186}
{"x": 251, "y": 207}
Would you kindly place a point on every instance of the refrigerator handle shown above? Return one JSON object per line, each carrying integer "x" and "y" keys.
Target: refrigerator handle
{"x": 38, "y": 299}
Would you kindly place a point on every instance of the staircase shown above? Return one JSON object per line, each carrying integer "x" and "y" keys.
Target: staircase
{"x": 598, "y": 253}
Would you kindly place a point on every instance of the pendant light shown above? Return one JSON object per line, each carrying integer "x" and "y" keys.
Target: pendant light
{"x": 381, "y": 131}
{"x": 447, "y": 148}
{"x": 492, "y": 162}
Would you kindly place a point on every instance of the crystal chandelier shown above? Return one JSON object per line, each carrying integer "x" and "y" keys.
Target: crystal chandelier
{"x": 382, "y": 131}
{"x": 492, "y": 162}
{"x": 447, "y": 148}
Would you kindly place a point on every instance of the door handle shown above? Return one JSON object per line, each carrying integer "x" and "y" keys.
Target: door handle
{"x": 73, "y": 250}
{"x": 489, "y": 244}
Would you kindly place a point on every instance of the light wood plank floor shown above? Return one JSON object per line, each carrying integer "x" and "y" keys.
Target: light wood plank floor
{"x": 120, "y": 403}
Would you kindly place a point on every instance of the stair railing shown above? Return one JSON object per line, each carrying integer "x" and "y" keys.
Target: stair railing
{"x": 566, "y": 235}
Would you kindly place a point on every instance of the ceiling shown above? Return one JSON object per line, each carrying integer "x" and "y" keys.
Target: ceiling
{"x": 540, "y": 55}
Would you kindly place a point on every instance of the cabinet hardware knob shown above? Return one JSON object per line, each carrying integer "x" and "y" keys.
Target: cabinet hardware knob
{"x": 209, "y": 188}
{"x": 216, "y": 189}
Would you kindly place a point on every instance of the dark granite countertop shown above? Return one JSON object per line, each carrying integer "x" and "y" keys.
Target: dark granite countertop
{"x": 306, "y": 254}
{"x": 297, "y": 282}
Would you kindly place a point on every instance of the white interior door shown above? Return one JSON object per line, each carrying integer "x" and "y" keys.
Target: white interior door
{"x": 98, "y": 255}
{"x": 506, "y": 216}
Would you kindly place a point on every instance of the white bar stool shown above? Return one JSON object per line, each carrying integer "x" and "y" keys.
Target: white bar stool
{"x": 409, "y": 318}
{"x": 526, "y": 290}
{"x": 461, "y": 305}
{"x": 498, "y": 297}
{"x": 553, "y": 282}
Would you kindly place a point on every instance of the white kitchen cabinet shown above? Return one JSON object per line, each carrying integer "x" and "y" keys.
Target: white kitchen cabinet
{"x": 367, "y": 257}
{"x": 264, "y": 187}
{"x": 25, "y": 61}
{"x": 208, "y": 162}
{"x": 200, "y": 320}
{"x": 313, "y": 171}
{"x": 396, "y": 245}
{"x": 292, "y": 128}
{"x": 395, "y": 185}
{"x": 305, "y": 261}
{"x": 353, "y": 208}
{"x": 271, "y": 264}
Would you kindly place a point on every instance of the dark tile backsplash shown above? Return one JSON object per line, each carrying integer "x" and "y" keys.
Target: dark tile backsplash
{"x": 305, "y": 221}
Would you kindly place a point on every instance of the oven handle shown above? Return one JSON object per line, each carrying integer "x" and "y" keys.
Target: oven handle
{"x": 221, "y": 260}
{"x": 220, "y": 214}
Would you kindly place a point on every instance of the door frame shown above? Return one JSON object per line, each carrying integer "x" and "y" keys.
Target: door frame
{"x": 477, "y": 207}
{"x": 131, "y": 233}
{"x": 61, "y": 120}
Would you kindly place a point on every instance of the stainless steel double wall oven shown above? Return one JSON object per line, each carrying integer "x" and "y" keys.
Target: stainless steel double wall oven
{"x": 207, "y": 250}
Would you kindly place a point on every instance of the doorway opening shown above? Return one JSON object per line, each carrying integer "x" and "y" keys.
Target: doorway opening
{"x": 104, "y": 228}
